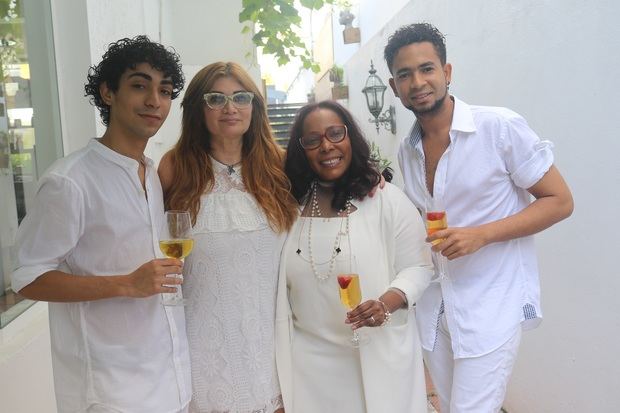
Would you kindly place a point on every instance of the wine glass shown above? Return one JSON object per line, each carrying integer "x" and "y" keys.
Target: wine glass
{"x": 437, "y": 220}
{"x": 175, "y": 241}
{"x": 350, "y": 297}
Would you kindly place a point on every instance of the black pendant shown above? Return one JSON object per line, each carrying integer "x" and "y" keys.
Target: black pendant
{"x": 298, "y": 251}
{"x": 338, "y": 250}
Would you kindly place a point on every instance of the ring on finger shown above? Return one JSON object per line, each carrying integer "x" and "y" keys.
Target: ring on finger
{"x": 372, "y": 319}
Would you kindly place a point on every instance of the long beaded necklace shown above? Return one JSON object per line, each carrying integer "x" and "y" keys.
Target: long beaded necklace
{"x": 315, "y": 211}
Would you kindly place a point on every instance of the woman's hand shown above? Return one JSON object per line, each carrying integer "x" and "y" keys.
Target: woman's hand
{"x": 376, "y": 313}
{"x": 370, "y": 313}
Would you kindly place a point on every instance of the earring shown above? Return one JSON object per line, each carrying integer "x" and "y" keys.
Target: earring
{"x": 448, "y": 85}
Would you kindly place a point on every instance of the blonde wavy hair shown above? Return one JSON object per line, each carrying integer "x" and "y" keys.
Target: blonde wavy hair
{"x": 262, "y": 159}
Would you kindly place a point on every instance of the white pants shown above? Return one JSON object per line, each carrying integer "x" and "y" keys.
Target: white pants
{"x": 476, "y": 384}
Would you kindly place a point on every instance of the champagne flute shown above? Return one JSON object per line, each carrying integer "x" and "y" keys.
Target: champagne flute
{"x": 175, "y": 241}
{"x": 351, "y": 297}
{"x": 437, "y": 220}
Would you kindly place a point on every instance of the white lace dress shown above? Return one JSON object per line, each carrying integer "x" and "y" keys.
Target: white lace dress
{"x": 230, "y": 285}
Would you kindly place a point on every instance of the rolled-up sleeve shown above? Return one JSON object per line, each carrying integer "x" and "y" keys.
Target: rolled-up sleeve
{"x": 412, "y": 259}
{"x": 527, "y": 157}
{"x": 50, "y": 230}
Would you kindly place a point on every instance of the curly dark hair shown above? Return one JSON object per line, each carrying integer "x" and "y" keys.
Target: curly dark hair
{"x": 356, "y": 182}
{"x": 127, "y": 54}
{"x": 415, "y": 33}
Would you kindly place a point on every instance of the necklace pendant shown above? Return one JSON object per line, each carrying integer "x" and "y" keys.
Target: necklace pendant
{"x": 231, "y": 170}
{"x": 298, "y": 251}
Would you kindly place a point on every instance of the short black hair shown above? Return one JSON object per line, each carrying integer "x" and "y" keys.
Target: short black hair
{"x": 361, "y": 176}
{"x": 415, "y": 33}
{"x": 127, "y": 54}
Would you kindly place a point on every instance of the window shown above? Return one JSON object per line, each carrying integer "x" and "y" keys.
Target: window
{"x": 29, "y": 126}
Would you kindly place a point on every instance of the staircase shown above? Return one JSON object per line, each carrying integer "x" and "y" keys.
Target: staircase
{"x": 281, "y": 117}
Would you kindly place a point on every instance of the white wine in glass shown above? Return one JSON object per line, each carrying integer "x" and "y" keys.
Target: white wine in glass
{"x": 175, "y": 241}
{"x": 176, "y": 248}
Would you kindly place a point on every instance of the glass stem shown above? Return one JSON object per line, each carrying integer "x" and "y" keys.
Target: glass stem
{"x": 441, "y": 265}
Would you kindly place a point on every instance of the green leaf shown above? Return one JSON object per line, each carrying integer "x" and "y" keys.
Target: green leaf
{"x": 288, "y": 10}
{"x": 312, "y": 4}
{"x": 275, "y": 20}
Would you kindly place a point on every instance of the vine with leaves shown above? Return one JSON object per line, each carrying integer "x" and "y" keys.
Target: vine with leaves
{"x": 11, "y": 33}
{"x": 275, "y": 22}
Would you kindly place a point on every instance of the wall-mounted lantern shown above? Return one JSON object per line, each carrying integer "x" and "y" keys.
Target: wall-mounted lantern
{"x": 374, "y": 91}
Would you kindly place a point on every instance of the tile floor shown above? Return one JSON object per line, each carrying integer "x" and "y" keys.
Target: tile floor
{"x": 433, "y": 401}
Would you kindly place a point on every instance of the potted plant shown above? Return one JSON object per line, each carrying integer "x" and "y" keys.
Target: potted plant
{"x": 339, "y": 89}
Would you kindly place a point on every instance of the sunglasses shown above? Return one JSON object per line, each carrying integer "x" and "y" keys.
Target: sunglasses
{"x": 240, "y": 100}
{"x": 334, "y": 134}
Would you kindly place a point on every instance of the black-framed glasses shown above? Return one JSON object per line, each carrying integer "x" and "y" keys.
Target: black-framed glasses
{"x": 334, "y": 134}
{"x": 240, "y": 100}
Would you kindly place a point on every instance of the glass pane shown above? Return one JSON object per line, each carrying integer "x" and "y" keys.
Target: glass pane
{"x": 22, "y": 42}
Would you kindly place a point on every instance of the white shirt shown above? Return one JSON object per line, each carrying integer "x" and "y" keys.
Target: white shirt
{"x": 483, "y": 176}
{"x": 91, "y": 217}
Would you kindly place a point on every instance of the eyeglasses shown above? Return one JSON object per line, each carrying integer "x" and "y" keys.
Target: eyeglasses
{"x": 334, "y": 134}
{"x": 217, "y": 101}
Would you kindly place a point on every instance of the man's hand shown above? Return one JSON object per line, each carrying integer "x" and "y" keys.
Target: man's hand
{"x": 149, "y": 278}
{"x": 457, "y": 242}
{"x": 553, "y": 203}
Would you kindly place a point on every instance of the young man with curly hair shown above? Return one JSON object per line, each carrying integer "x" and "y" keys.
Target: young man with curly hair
{"x": 484, "y": 164}
{"x": 89, "y": 246}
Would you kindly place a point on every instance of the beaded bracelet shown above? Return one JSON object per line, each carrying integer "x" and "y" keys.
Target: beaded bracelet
{"x": 387, "y": 316}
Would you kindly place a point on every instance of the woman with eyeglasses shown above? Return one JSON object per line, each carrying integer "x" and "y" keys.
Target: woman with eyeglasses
{"x": 227, "y": 170}
{"x": 339, "y": 246}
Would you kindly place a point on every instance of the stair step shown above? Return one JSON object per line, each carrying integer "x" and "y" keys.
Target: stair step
{"x": 281, "y": 118}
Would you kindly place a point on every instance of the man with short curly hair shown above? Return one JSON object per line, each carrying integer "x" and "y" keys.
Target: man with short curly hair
{"x": 89, "y": 246}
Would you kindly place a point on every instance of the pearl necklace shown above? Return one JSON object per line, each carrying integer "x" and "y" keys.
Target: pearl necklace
{"x": 315, "y": 211}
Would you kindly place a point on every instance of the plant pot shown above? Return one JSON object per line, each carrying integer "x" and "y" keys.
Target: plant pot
{"x": 340, "y": 92}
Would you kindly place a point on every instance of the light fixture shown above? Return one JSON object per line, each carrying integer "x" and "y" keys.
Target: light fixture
{"x": 374, "y": 91}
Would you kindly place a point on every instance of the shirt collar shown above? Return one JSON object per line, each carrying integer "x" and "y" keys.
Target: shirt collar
{"x": 116, "y": 157}
{"x": 415, "y": 135}
{"x": 462, "y": 121}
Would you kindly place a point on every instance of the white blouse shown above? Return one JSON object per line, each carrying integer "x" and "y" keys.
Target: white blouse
{"x": 230, "y": 284}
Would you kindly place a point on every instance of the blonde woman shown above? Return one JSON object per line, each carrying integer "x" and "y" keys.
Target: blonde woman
{"x": 227, "y": 170}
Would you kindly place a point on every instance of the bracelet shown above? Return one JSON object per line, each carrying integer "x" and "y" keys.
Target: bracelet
{"x": 387, "y": 316}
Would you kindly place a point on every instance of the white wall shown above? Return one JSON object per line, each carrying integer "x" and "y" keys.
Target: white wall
{"x": 356, "y": 72}
{"x": 555, "y": 62}
{"x": 201, "y": 31}
{"x": 72, "y": 53}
